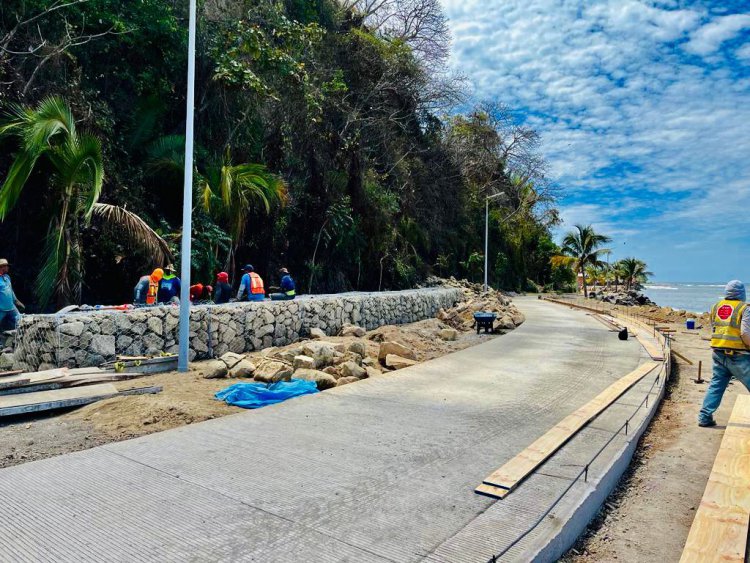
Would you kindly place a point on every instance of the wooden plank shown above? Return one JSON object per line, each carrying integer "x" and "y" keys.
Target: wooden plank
{"x": 31, "y": 378}
{"x": 517, "y": 469}
{"x": 11, "y": 405}
{"x": 651, "y": 347}
{"x": 9, "y": 373}
{"x": 720, "y": 527}
{"x": 16, "y": 381}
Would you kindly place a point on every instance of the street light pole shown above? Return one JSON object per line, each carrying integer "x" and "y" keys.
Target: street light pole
{"x": 187, "y": 202}
{"x": 487, "y": 232}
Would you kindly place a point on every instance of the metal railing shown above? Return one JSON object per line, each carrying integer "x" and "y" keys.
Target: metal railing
{"x": 660, "y": 381}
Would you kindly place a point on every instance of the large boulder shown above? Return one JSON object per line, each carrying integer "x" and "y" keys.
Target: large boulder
{"x": 351, "y": 369}
{"x": 214, "y": 369}
{"x": 316, "y": 333}
{"x": 397, "y": 362}
{"x": 102, "y": 345}
{"x": 352, "y": 330}
{"x": 396, "y": 349}
{"x": 346, "y": 380}
{"x": 322, "y": 379}
{"x": 322, "y": 352}
{"x": 231, "y": 359}
{"x": 243, "y": 368}
{"x": 448, "y": 334}
{"x": 303, "y": 362}
{"x": 358, "y": 347}
{"x": 271, "y": 372}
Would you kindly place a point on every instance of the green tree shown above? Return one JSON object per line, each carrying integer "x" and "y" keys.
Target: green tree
{"x": 583, "y": 245}
{"x": 48, "y": 133}
{"x": 633, "y": 271}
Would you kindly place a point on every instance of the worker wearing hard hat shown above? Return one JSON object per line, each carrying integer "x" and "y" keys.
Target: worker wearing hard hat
{"x": 169, "y": 286}
{"x": 147, "y": 289}
{"x": 730, "y": 341}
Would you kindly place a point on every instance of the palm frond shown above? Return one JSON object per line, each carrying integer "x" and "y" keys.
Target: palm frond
{"x": 51, "y": 117}
{"x": 79, "y": 163}
{"x": 137, "y": 230}
{"x": 15, "y": 181}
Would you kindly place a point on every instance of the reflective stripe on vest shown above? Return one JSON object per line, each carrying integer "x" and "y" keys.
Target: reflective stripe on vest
{"x": 256, "y": 284}
{"x": 726, "y": 318}
{"x": 290, "y": 293}
{"x": 153, "y": 290}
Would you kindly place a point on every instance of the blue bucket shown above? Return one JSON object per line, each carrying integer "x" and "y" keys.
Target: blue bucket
{"x": 690, "y": 323}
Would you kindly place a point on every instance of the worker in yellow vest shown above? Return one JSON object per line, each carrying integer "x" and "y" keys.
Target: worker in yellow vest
{"x": 730, "y": 323}
{"x": 251, "y": 286}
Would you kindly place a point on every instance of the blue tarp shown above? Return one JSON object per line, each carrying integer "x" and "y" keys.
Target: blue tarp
{"x": 256, "y": 395}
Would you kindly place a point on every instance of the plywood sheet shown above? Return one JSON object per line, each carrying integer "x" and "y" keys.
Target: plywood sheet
{"x": 11, "y": 405}
{"x": 720, "y": 527}
{"x": 517, "y": 469}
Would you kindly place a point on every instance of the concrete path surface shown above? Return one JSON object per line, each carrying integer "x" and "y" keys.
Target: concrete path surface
{"x": 378, "y": 471}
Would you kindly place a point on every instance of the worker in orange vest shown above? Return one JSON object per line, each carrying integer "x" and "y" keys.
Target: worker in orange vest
{"x": 251, "y": 286}
{"x": 147, "y": 289}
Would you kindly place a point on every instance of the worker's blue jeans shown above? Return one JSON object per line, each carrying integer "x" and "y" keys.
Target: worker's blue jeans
{"x": 725, "y": 367}
{"x": 9, "y": 319}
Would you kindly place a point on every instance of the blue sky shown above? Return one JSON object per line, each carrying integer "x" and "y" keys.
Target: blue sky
{"x": 644, "y": 112}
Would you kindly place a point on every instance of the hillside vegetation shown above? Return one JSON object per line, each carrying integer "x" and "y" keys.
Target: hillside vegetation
{"x": 329, "y": 139}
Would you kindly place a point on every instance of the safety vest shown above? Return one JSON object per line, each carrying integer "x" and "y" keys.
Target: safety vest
{"x": 153, "y": 291}
{"x": 726, "y": 317}
{"x": 256, "y": 284}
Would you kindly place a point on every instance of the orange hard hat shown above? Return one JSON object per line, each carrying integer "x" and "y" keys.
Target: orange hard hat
{"x": 157, "y": 274}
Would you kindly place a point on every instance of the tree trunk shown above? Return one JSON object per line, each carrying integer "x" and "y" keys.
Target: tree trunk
{"x": 585, "y": 288}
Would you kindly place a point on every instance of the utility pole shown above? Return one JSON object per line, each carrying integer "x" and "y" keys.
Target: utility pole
{"x": 187, "y": 202}
{"x": 487, "y": 232}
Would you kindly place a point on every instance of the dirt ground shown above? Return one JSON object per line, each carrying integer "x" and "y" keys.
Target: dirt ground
{"x": 649, "y": 515}
{"x": 186, "y": 398}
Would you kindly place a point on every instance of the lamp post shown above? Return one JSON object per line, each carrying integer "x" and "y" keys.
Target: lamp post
{"x": 187, "y": 202}
{"x": 487, "y": 231}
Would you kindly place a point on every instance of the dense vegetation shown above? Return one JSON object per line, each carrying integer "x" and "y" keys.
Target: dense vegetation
{"x": 328, "y": 140}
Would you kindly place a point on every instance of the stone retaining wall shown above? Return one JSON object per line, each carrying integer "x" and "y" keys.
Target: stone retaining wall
{"x": 88, "y": 339}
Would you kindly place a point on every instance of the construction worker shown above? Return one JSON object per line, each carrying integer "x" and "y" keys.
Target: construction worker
{"x": 147, "y": 288}
{"x": 169, "y": 286}
{"x": 288, "y": 288}
{"x": 730, "y": 323}
{"x": 223, "y": 289}
{"x": 251, "y": 286}
{"x": 9, "y": 303}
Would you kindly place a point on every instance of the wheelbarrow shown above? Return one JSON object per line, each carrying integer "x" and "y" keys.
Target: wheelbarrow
{"x": 485, "y": 321}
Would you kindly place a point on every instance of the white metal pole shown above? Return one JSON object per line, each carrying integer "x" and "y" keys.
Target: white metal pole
{"x": 486, "y": 236}
{"x": 187, "y": 202}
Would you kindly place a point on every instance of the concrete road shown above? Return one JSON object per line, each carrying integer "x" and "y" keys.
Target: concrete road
{"x": 381, "y": 470}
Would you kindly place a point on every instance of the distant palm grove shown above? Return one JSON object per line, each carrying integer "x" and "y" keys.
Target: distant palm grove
{"x": 328, "y": 140}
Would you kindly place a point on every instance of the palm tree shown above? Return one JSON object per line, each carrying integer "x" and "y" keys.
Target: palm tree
{"x": 49, "y": 132}
{"x": 583, "y": 246}
{"x": 634, "y": 271}
{"x": 229, "y": 192}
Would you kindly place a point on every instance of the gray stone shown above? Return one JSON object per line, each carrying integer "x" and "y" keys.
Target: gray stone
{"x": 358, "y": 347}
{"x": 322, "y": 379}
{"x": 346, "y": 380}
{"x": 214, "y": 369}
{"x": 397, "y": 362}
{"x": 271, "y": 371}
{"x": 448, "y": 334}
{"x": 351, "y": 369}
{"x": 352, "y": 330}
{"x": 372, "y": 372}
{"x": 395, "y": 349}
{"x": 231, "y": 359}
{"x": 103, "y": 345}
{"x": 72, "y": 329}
{"x": 303, "y": 362}
{"x": 244, "y": 368}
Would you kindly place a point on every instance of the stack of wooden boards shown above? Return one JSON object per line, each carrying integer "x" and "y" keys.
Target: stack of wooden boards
{"x": 720, "y": 528}
{"x": 22, "y": 393}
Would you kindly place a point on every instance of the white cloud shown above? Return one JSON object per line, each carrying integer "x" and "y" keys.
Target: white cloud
{"x": 645, "y": 137}
{"x": 708, "y": 38}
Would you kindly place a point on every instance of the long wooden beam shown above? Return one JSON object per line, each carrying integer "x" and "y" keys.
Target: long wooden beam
{"x": 502, "y": 481}
{"x": 720, "y": 527}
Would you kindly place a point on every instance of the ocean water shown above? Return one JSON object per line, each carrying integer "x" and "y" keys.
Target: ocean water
{"x": 697, "y": 297}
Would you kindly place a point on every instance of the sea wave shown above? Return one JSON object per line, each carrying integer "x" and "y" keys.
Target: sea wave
{"x": 661, "y": 287}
